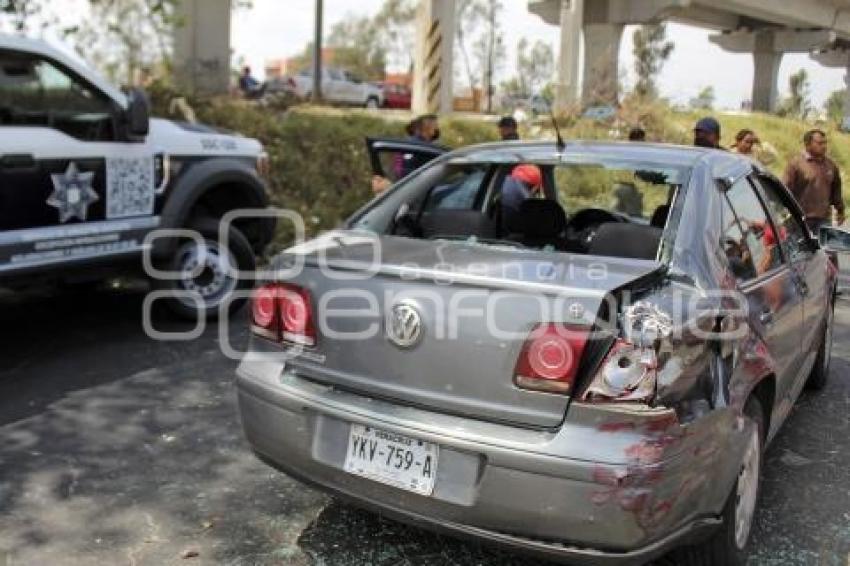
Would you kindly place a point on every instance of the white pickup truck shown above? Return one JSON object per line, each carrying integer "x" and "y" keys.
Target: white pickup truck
{"x": 86, "y": 175}
{"x": 339, "y": 87}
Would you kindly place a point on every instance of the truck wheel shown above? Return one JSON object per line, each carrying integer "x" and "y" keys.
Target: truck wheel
{"x": 820, "y": 373}
{"x": 372, "y": 103}
{"x": 727, "y": 547}
{"x": 207, "y": 271}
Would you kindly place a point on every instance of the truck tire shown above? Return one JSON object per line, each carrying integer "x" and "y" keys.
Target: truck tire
{"x": 372, "y": 103}
{"x": 215, "y": 285}
{"x": 728, "y": 546}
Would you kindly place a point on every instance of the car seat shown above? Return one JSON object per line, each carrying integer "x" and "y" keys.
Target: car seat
{"x": 626, "y": 240}
{"x": 454, "y": 223}
{"x": 540, "y": 223}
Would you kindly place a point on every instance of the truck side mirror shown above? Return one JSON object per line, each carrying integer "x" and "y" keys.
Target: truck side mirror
{"x": 834, "y": 240}
{"x": 137, "y": 115}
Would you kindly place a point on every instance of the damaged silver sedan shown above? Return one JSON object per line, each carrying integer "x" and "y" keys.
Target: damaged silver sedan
{"x": 579, "y": 351}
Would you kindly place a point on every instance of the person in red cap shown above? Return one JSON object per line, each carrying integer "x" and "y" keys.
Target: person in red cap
{"x": 524, "y": 182}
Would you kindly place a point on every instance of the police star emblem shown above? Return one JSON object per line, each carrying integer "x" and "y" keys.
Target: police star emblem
{"x": 72, "y": 193}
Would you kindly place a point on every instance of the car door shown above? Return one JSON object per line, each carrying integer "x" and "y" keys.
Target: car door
{"x": 808, "y": 267}
{"x": 336, "y": 90}
{"x": 355, "y": 89}
{"x": 61, "y": 162}
{"x": 390, "y": 158}
{"x": 764, "y": 276}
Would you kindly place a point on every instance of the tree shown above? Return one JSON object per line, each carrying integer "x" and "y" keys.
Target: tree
{"x": 490, "y": 49}
{"x": 367, "y": 45}
{"x": 534, "y": 66}
{"x": 468, "y": 18}
{"x": 835, "y": 105}
{"x": 704, "y": 100}
{"x": 358, "y": 48}
{"x": 19, "y": 13}
{"x": 125, "y": 37}
{"x": 797, "y": 104}
{"x": 480, "y": 40}
{"x": 395, "y": 25}
{"x": 121, "y": 37}
{"x": 651, "y": 51}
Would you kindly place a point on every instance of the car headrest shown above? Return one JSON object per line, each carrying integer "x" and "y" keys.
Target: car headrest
{"x": 626, "y": 240}
{"x": 541, "y": 218}
{"x": 456, "y": 223}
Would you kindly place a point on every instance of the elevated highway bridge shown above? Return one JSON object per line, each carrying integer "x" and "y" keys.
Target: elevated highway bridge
{"x": 765, "y": 28}
{"x": 591, "y": 33}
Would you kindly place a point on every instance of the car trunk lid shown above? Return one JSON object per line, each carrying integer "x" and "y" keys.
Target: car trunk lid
{"x": 476, "y": 304}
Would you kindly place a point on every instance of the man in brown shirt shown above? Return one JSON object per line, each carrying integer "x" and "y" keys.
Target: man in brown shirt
{"x": 816, "y": 182}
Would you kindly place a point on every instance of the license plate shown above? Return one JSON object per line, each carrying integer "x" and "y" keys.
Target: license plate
{"x": 392, "y": 459}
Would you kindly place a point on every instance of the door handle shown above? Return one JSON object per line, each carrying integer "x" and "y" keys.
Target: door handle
{"x": 17, "y": 161}
{"x": 766, "y": 317}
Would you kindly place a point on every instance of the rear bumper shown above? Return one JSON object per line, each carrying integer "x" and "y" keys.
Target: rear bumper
{"x": 694, "y": 531}
{"x": 497, "y": 483}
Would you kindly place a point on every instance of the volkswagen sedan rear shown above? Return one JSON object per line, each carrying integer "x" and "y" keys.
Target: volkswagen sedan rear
{"x": 589, "y": 373}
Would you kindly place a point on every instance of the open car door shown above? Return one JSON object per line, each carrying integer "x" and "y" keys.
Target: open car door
{"x": 836, "y": 242}
{"x": 394, "y": 159}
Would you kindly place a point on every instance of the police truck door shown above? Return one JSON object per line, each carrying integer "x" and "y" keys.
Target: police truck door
{"x": 68, "y": 184}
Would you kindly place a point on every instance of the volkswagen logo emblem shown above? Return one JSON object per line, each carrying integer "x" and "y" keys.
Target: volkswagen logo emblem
{"x": 404, "y": 325}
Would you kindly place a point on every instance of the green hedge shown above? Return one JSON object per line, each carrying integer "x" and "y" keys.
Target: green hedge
{"x": 319, "y": 162}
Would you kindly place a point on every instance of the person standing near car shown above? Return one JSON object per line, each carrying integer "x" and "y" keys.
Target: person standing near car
{"x": 815, "y": 181}
{"x": 707, "y": 133}
{"x": 423, "y": 129}
{"x": 524, "y": 182}
{"x": 251, "y": 88}
{"x": 748, "y": 144}
{"x": 508, "y": 129}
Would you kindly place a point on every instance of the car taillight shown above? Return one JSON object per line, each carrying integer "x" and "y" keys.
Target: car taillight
{"x": 283, "y": 312}
{"x": 264, "y": 306}
{"x": 296, "y": 316}
{"x": 550, "y": 358}
{"x": 628, "y": 373}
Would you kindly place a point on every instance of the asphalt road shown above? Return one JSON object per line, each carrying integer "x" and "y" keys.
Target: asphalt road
{"x": 115, "y": 449}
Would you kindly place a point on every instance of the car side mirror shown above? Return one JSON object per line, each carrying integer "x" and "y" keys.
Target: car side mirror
{"x": 836, "y": 240}
{"x": 138, "y": 115}
{"x": 807, "y": 244}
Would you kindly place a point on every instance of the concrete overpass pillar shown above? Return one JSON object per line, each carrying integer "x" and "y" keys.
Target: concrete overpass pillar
{"x": 847, "y": 92}
{"x": 602, "y": 63}
{"x": 202, "y": 46}
{"x": 767, "y": 46}
{"x": 433, "y": 71}
{"x": 837, "y": 58}
{"x": 571, "y": 21}
{"x": 766, "y": 59}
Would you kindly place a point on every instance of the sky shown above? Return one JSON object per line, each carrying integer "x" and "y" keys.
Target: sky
{"x": 266, "y": 32}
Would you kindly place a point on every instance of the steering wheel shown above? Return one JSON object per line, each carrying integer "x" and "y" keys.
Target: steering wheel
{"x": 583, "y": 225}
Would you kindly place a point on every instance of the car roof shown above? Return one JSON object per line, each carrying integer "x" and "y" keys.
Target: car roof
{"x": 39, "y": 47}
{"x": 722, "y": 163}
